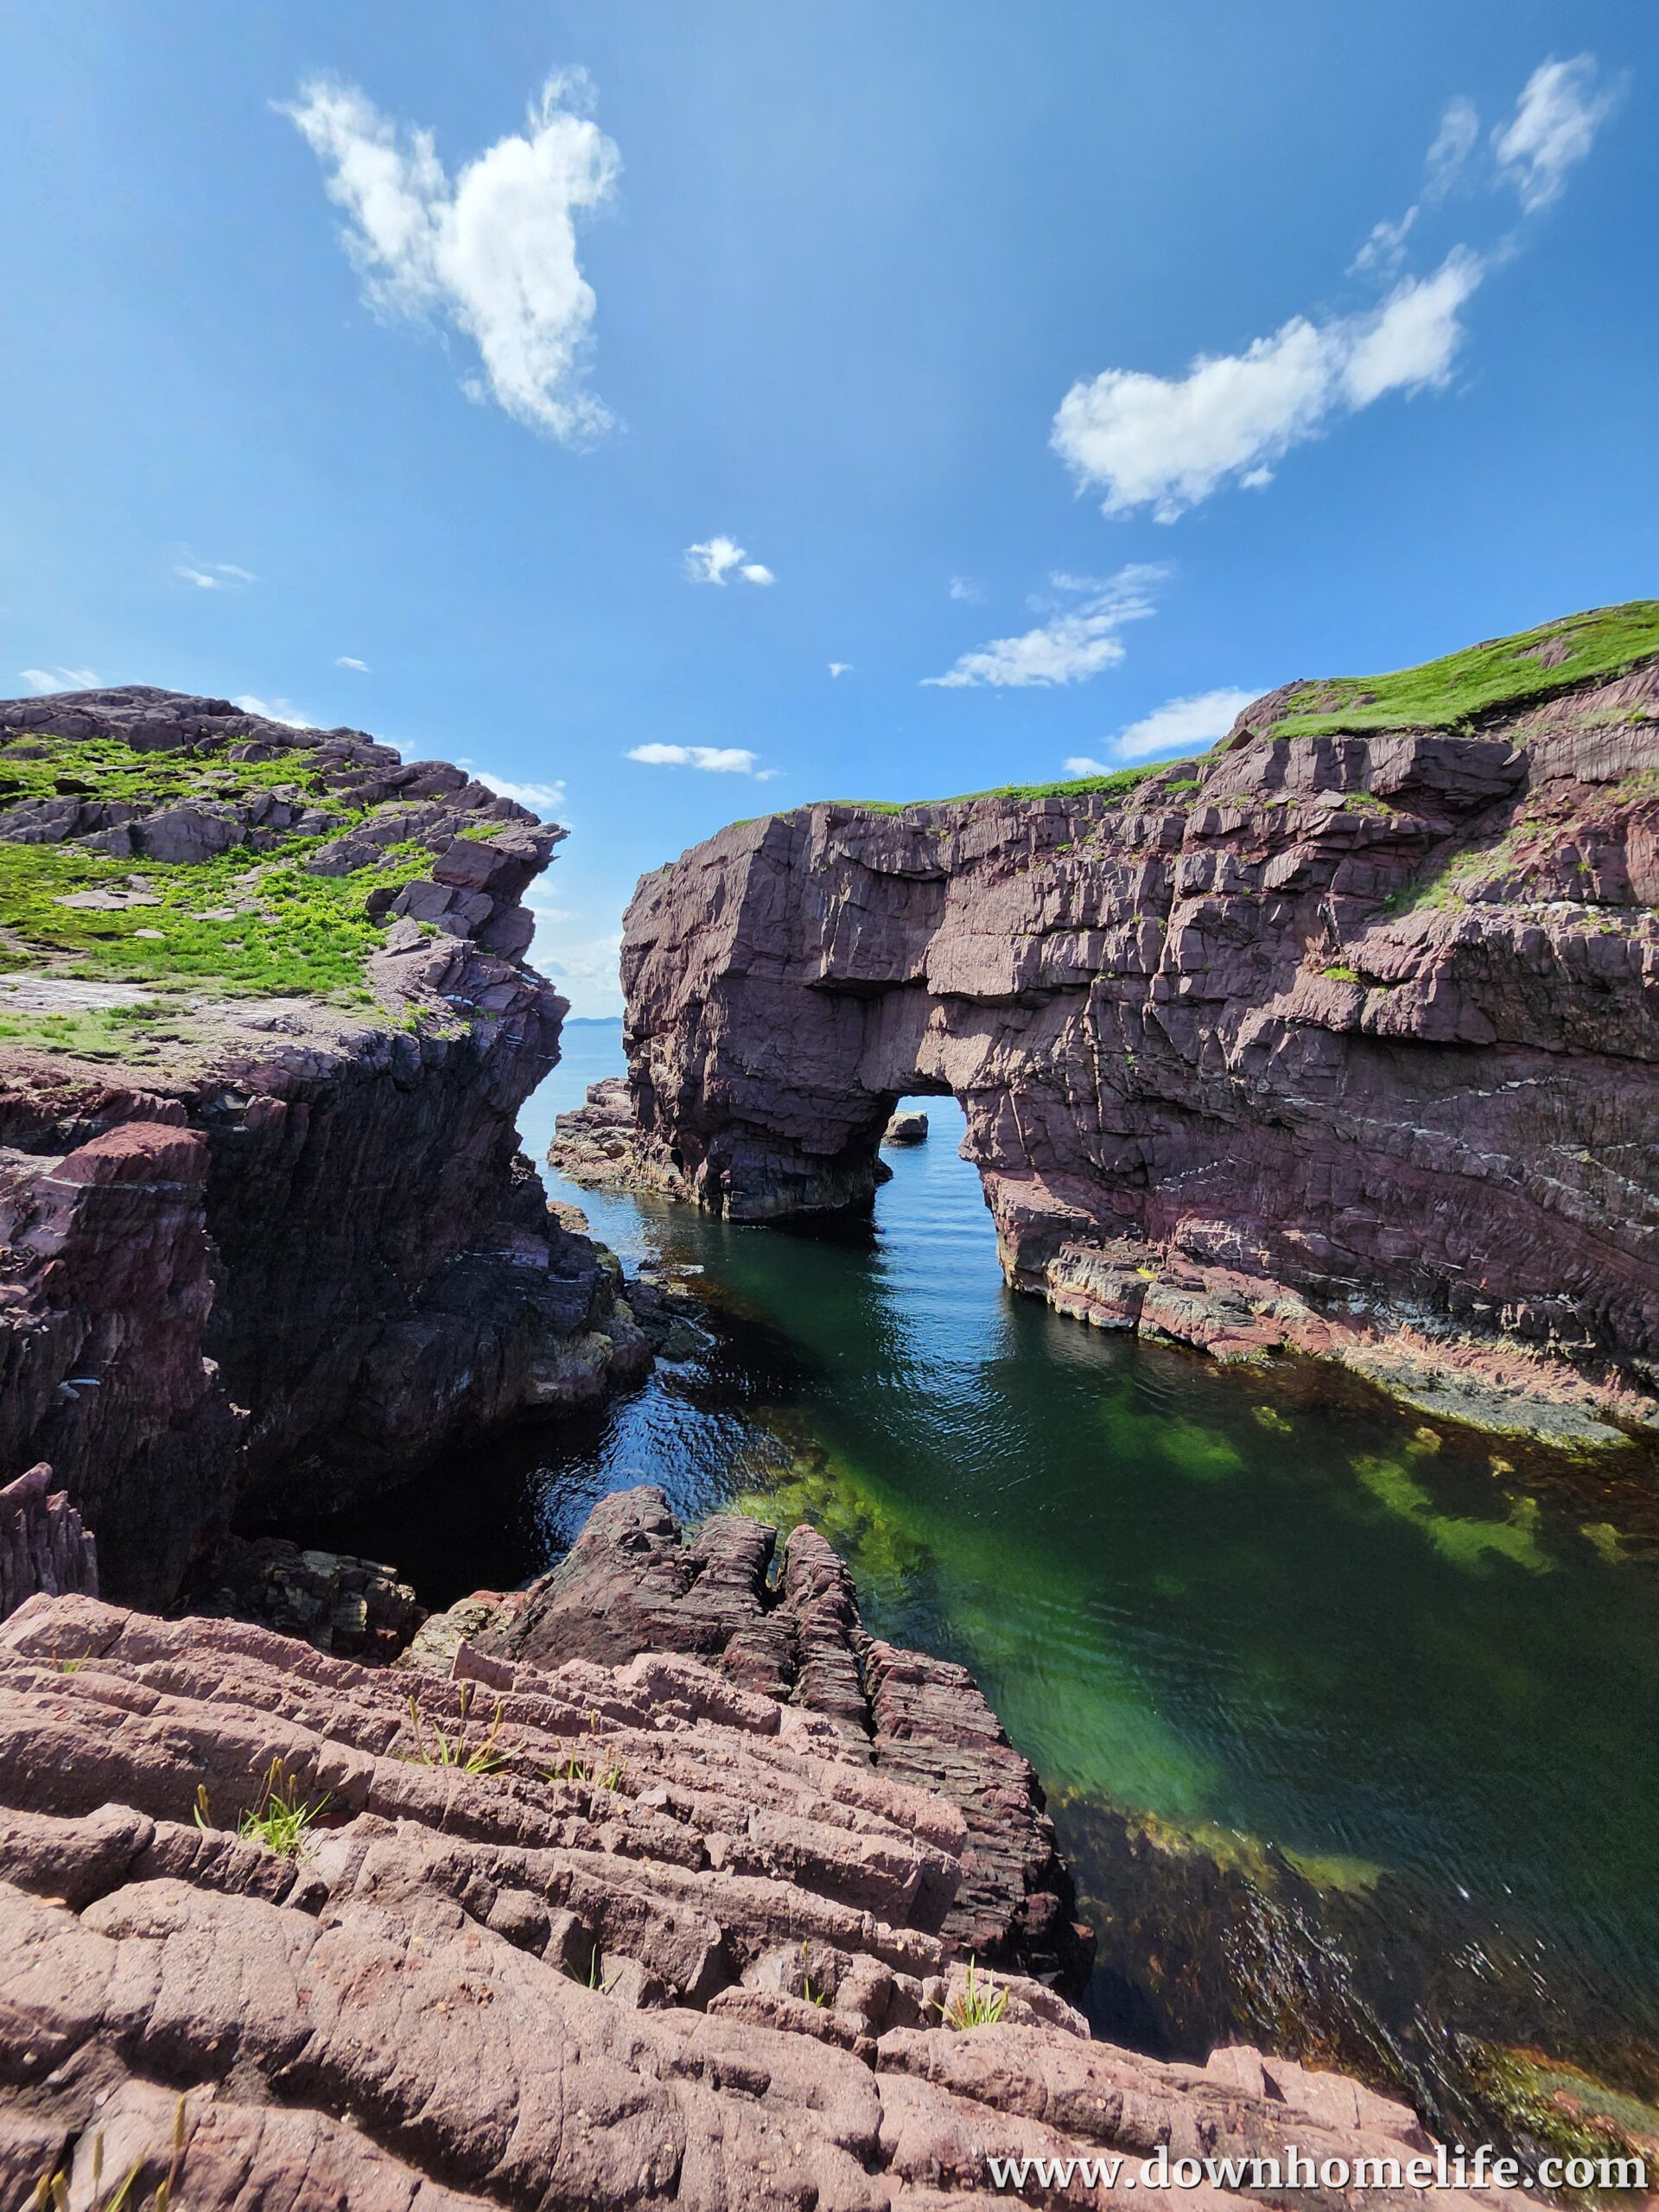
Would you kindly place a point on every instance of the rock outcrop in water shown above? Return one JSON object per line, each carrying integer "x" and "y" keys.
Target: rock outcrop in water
{"x": 271, "y": 1246}
{"x": 610, "y": 1935}
{"x": 788, "y": 1629}
{"x": 1343, "y": 1038}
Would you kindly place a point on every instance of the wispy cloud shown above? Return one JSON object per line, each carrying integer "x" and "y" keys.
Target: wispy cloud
{"x": 58, "y": 679}
{"x": 544, "y": 799}
{"x": 1168, "y": 442}
{"x": 1178, "y": 726}
{"x": 274, "y": 710}
{"x": 1077, "y": 641}
{"x": 716, "y": 760}
{"x": 492, "y": 252}
{"x": 840, "y": 668}
{"x": 213, "y": 575}
{"x": 1553, "y": 127}
{"x": 350, "y": 660}
{"x": 965, "y": 587}
{"x": 716, "y": 558}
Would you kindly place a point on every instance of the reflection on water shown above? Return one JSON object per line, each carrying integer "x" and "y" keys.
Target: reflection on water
{"x": 1255, "y": 1616}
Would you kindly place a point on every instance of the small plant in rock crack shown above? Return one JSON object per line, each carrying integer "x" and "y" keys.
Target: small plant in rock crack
{"x": 820, "y": 1997}
{"x": 52, "y": 2191}
{"x": 976, "y": 2004}
{"x": 435, "y": 1747}
{"x": 280, "y": 1821}
{"x": 595, "y": 1977}
{"x": 598, "y": 1766}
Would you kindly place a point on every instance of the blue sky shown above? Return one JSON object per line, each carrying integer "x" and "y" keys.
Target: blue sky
{"x": 598, "y": 377}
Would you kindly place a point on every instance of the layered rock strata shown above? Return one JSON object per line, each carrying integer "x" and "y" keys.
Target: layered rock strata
{"x": 787, "y": 1627}
{"x": 43, "y": 1546}
{"x": 1345, "y": 1042}
{"x": 295, "y": 1251}
{"x": 616, "y": 1935}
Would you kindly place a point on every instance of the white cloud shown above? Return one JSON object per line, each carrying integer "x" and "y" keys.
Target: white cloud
{"x": 350, "y": 660}
{"x": 965, "y": 587}
{"x": 840, "y": 668}
{"x": 767, "y": 775}
{"x": 58, "y": 679}
{"x": 1075, "y": 642}
{"x": 1554, "y": 126}
{"x": 1453, "y": 143}
{"x": 716, "y": 558}
{"x": 544, "y": 799}
{"x": 585, "y": 968}
{"x": 717, "y": 759}
{"x": 493, "y": 252}
{"x": 1167, "y": 443}
{"x": 1178, "y": 726}
{"x": 213, "y": 575}
{"x": 274, "y": 710}
{"x": 1411, "y": 342}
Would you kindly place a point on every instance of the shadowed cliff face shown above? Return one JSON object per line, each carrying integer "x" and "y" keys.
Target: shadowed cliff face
{"x": 279, "y": 1247}
{"x": 1346, "y": 1042}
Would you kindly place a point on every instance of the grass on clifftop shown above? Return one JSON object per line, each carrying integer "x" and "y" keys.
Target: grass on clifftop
{"x": 1120, "y": 779}
{"x": 257, "y": 924}
{"x": 1502, "y": 673}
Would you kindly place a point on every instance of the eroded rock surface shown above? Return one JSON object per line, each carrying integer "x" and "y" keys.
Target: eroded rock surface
{"x": 787, "y": 1627}
{"x": 43, "y": 1546}
{"x": 299, "y": 1253}
{"x": 1342, "y": 1043}
{"x": 672, "y": 1943}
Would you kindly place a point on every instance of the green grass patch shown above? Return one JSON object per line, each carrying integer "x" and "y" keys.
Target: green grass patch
{"x": 1120, "y": 779}
{"x": 1502, "y": 674}
{"x": 40, "y": 765}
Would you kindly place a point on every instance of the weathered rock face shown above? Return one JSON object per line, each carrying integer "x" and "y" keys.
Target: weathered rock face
{"x": 44, "y": 1547}
{"x": 300, "y": 1253}
{"x": 664, "y": 1941}
{"x": 790, "y": 1630}
{"x": 1348, "y": 1043}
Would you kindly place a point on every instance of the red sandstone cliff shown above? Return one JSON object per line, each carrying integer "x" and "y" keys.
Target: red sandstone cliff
{"x": 295, "y": 1252}
{"x": 1347, "y": 1042}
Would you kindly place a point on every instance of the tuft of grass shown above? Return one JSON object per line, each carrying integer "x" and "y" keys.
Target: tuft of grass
{"x": 978, "y": 2005}
{"x": 281, "y": 1819}
{"x": 52, "y": 2191}
{"x": 435, "y": 1747}
{"x": 1341, "y": 975}
{"x": 595, "y": 1977}
{"x": 819, "y": 1997}
{"x": 1500, "y": 675}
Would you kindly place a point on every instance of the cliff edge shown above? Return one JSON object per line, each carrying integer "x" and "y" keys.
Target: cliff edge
{"x": 1343, "y": 1038}
{"x": 265, "y": 1025}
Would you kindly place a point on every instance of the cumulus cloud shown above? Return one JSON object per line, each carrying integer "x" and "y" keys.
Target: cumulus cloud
{"x": 1178, "y": 726}
{"x": 716, "y": 558}
{"x": 585, "y": 968}
{"x": 492, "y": 251}
{"x": 840, "y": 668}
{"x": 1168, "y": 442}
{"x": 716, "y": 760}
{"x": 274, "y": 710}
{"x": 58, "y": 679}
{"x": 1078, "y": 639}
{"x": 213, "y": 575}
{"x": 1553, "y": 127}
{"x": 965, "y": 587}
{"x": 544, "y": 799}
{"x": 350, "y": 660}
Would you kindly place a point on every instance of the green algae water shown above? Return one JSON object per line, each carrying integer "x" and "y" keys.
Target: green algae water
{"x": 1348, "y": 1722}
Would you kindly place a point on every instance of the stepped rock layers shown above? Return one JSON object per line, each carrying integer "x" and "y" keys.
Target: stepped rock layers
{"x": 612, "y": 1934}
{"x": 289, "y": 1250}
{"x": 632, "y": 1584}
{"x": 1338, "y": 1039}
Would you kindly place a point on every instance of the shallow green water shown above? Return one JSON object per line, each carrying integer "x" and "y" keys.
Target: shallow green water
{"x": 1276, "y": 1613}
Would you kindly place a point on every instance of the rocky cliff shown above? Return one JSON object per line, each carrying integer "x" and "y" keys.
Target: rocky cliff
{"x": 1344, "y": 1038}
{"x": 264, "y": 1030}
{"x": 568, "y": 1931}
